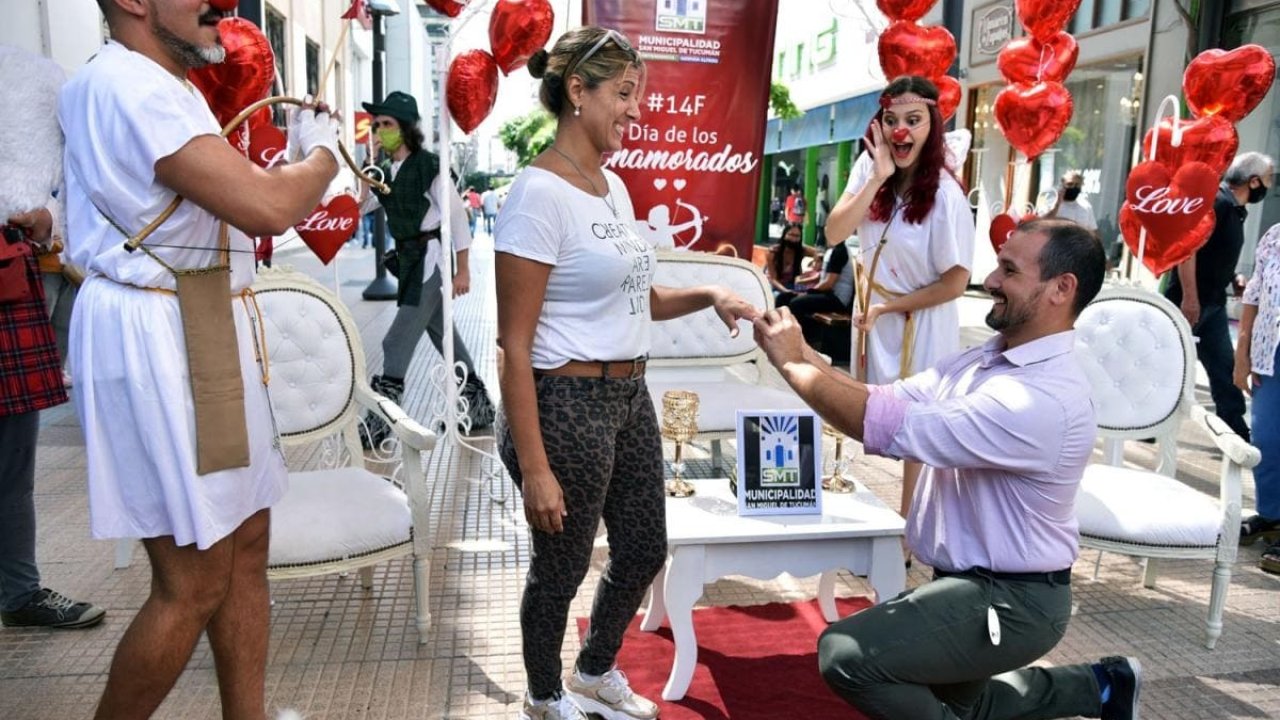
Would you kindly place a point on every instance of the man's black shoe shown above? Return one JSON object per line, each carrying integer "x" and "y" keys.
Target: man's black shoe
{"x": 1256, "y": 527}
{"x": 48, "y": 608}
{"x": 1125, "y": 676}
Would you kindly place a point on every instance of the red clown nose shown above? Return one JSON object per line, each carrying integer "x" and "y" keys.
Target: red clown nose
{"x": 900, "y": 134}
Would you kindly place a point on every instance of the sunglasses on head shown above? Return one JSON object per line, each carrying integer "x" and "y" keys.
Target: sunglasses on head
{"x": 609, "y": 34}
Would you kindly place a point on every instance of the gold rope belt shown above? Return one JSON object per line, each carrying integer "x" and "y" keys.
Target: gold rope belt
{"x": 249, "y": 299}
{"x": 864, "y": 302}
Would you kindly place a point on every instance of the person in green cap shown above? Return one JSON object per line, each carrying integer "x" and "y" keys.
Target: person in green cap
{"x": 414, "y": 216}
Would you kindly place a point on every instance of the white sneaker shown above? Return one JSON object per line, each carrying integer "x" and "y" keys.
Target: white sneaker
{"x": 562, "y": 708}
{"x": 610, "y": 697}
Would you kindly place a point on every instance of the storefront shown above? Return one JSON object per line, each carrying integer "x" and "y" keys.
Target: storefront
{"x": 1122, "y": 72}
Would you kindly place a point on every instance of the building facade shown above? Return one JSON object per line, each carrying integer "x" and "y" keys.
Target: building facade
{"x": 1132, "y": 55}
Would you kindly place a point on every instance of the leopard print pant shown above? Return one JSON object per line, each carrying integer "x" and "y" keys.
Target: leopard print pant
{"x": 601, "y": 438}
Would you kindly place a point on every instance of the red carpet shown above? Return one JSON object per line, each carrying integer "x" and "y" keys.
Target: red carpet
{"x": 754, "y": 663}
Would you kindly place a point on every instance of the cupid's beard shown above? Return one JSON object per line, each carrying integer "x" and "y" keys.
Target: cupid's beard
{"x": 188, "y": 53}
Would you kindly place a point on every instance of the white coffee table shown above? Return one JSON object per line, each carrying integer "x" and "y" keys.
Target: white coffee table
{"x": 707, "y": 540}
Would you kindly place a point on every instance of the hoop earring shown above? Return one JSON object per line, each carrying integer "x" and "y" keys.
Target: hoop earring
{"x": 577, "y": 111}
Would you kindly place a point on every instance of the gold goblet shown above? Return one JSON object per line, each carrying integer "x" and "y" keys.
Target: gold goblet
{"x": 679, "y": 424}
{"x": 836, "y": 482}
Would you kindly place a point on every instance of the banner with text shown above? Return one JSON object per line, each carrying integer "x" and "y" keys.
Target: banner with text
{"x": 692, "y": 163}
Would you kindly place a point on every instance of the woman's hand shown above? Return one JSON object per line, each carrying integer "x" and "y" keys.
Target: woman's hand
{"x": 38, "y": 224}
{"x": 544, "y": 502}
{"x": 865, "y": 321}
{"x": 1243, "y": 374}
{"x": 881, "y": 152}
{"x": 732, "y": 308}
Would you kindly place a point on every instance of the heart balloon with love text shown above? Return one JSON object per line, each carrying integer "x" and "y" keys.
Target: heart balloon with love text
{"x": 1173, "y": 208}
{"x": 329, "y": 226}
{"x": 1159, "y": 257}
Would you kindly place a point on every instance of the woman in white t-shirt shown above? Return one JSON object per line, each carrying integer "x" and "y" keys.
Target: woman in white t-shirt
{"x": 916, "y": 234}
{"x": 578, "y": 431}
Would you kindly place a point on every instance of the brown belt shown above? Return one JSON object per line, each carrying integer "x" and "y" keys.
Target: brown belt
{"x": 617, "y": 369}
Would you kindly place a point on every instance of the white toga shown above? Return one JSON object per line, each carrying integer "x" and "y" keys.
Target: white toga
{"x": 121, "y": 114}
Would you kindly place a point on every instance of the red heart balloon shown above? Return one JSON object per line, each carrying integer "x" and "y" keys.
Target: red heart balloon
{"x": 1045, "y": 18}
{"x": 473, "y": 88}
{"x": 266, "y": 145}
{"x": 909, "y": 49}
{"x": 948, "y": 95}
{"x": 448, "y": 7}
{"x": 246, "y": 75}
{"x": 1002, "y": 226}
{"x": 224, "y": 5}
{"x": 1162, "y": 254}
{"x": 909, "y": 10}
{"x": 1028, "y": 60}
{"x": 329, "y": 225}
{"x": 1211, "y": 140}
{"x": 1230, "y": 84}
{"x": 1032, "y": 117}
{"x": 518, "y": 29}
{"x": 1170, "y": 205}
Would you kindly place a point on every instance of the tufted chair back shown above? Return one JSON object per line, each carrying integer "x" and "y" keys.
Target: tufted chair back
{"x": 1139, "y": 354}
{"x": 315, "y": 357}
{"x": 701, "y": 338}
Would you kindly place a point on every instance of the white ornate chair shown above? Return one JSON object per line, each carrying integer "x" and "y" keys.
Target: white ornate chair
{"x": 1139, "y": 354}
{"x": 341, "y": 513}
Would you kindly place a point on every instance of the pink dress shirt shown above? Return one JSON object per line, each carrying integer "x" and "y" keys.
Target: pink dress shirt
{"x": 1005, "y": 436}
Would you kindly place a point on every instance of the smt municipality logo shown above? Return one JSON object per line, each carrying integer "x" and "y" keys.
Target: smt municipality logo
{"x": 682, "y": 16}
{"x": 780, "y": 451}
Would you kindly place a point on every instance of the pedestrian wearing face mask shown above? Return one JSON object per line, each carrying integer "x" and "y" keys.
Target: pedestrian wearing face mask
{"x": 1199, "y": 285}
{"x": 1071, "y": 203}
{"x": 414, "y": 210}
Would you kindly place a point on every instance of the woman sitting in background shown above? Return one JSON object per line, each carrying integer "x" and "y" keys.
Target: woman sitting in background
{"x": 784, "y": 266}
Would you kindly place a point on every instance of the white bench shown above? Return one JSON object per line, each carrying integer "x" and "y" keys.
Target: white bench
{"x": 696, "y": 353}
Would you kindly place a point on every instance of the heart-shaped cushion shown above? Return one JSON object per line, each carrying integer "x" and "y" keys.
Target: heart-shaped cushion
{"x": 1162, "y": 254}
{"x": 330, "y": 225}
{"x": 909, "y": 49}
{"x": 1002, "y": 226}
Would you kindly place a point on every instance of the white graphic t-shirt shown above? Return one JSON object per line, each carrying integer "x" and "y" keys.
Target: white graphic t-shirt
{"x": 596, "y": 306}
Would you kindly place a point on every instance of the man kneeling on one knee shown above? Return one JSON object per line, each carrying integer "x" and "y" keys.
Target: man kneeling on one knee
{"x": 1004, "y": 431}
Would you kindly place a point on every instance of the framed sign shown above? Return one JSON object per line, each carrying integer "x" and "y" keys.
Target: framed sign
{"x": 993, "y": 25}
{"x": 779, "y": 463}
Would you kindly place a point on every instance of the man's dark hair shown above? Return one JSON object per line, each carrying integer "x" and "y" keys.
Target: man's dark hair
{"x": 1069, "y": 248}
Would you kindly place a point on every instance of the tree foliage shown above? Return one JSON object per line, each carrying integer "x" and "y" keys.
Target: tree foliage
{"x": 780, "y": 102}
{"x": 528, "y": 135}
